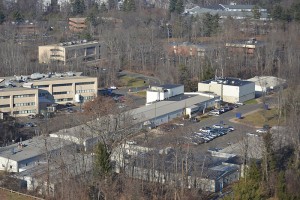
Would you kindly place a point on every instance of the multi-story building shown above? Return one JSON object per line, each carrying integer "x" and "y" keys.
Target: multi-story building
{"x": 22, "y": 95}
{"x": 68, "y": 52}
{"x": 19, "y": 101}
{"x": 230, "y": 90}
{"x": 77, "y": 24}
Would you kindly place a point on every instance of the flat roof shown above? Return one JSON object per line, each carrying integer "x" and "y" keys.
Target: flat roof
{"x": 32, "y": 148}
{"x": 162, "y": 108}
{"x": 227, "y": 81}
{"x": 39, "y": 77}
{"x": 72, "y": 43}
{"x": 267, "y": 81}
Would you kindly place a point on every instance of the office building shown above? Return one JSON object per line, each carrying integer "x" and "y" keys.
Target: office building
{"x": 22, "y": 95}
{"x": 70, "y": 52}
{"x": 230, "y": 90}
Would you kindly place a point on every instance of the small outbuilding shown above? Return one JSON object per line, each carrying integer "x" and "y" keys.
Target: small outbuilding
{"x": 162, "y": 92}
{"x": 266, "y": 84}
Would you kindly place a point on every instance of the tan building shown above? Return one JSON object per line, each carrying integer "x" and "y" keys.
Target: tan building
{"x": 19, "y": 101}
{"x": 68, "y": 52}
{"x": 22, "y": 95}
{"x": 77, "y": 24}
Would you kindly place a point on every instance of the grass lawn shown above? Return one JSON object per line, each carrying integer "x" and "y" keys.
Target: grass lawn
{"x": 261, "y": 118}
{"x": 141, "y": 93}
{"x": 6, "y": 195}
{"x": 132, "y": 82}
{"x": 251, "y": 101}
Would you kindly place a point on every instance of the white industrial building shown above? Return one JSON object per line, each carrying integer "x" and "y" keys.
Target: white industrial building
{"x": 265, "y": 84}
{"x": 230, "y": 90}
{"x": 162, "y": 92}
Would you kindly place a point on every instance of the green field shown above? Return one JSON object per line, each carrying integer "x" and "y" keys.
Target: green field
{"x": 261, "y": 118}
{"x": 127, "y": 81}
{"x": 252, "y": 101}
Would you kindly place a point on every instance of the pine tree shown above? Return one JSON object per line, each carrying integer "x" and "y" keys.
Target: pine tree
{"x": 103, "y": 8}
{"x": 256, "y": 13}
{"x": 172, "y": 5}
{"x": 102, "y": 165}
{"x": 78, "y": 6}
{"x": 179, "y": 8}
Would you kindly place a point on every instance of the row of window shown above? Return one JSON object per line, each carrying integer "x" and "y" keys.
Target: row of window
{"x": 24, "y": 104}
{"x": 5, "y": 106}
{"x": 85, "y": 83}
{"x": 64, "y": 99}
{"x": 24, "y": 111}
{"x": 62, "y": 85}
{"x": 24, "y": 95}
{"x": 4, "y": 97}
{"x": 88, "y": 97}
{"x": 40, "y": 86}
{"x": 64, "y": 92}
{"x": 84, "y": 91}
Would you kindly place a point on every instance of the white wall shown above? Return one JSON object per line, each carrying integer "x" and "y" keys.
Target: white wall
{"x": 8, "y": 165}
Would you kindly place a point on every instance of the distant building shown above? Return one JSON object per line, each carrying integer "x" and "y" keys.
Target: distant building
{"x": 265, "y": 84}
{"x": 77, "y": 24}
{"x": 189, "y": 49}
{"x": 162, "y": 92}
{"x": 233, "y": 10}
{"x": 230, "y": 90}
{"x": 68, "y": 52}
{"x": 24, "y": 95}
{"x": 248, "y": 46}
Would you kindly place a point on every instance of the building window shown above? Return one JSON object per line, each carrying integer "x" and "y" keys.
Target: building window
{"x": 24, "y": 104}
{"x": 65, "y": 99}
{"x": 65, "y": 92}
{"x": 40, "y": 86}
{"x": 84, "y": 91}
{"x": 61, "y": 85}
{"x": 10, "y": 166}
{"x": 24, "y": 111}
{"x": 85, "y": 83}
{"x": 24, "y": 95}
{"x": 5, "y": 106}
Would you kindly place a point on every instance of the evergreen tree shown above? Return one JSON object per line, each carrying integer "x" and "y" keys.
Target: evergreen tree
{"x": 277, "y": 12}
{"x": 256, "y": 13}
{"x": 78, "y": 7}
{"x": 172, "y": 5}
{"x": 112, "y": 4}
{"x": 179, "y": 8}
{"x": 102, "y": 165}
{"x": 103, "y": 8}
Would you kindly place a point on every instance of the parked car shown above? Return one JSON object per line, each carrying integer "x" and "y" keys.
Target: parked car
{"x": 205, "y": 129}
{"x": 68, "y": 104}
{"x": 261, "y": 130}
{"x": 29, "y": 124}
{"x": 240, "y": 103}
{"x": 215, "y": 112}
{"x": 31, "y": 116}
{"x": 217, "y": 126}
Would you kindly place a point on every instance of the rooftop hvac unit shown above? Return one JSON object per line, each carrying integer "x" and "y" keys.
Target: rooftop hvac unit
{"x": 58, "y": 74}
{"x": 36, "y": 76}
{"x": 70, "y": 73}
